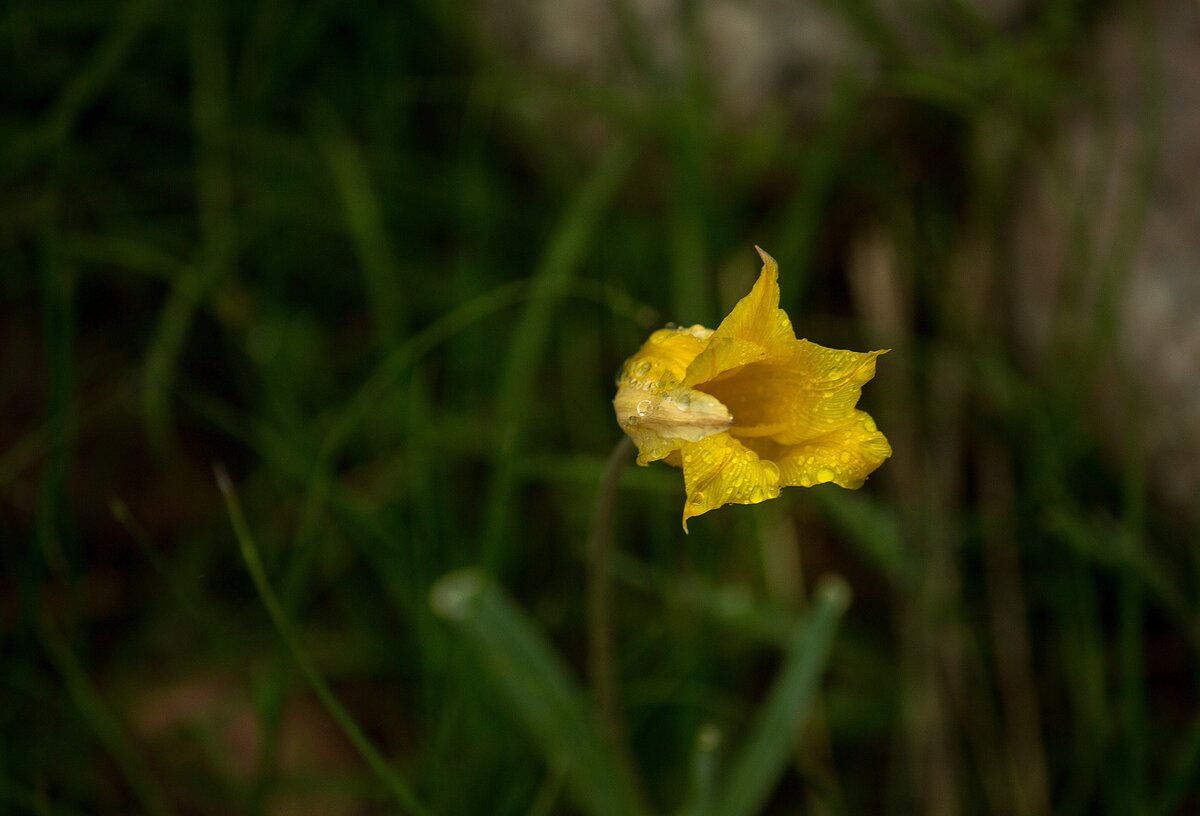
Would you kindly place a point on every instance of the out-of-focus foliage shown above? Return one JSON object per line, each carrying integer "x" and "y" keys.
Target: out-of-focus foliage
{"x": 382, "y": 269}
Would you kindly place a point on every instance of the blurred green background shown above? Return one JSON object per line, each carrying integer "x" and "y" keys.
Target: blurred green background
{"x": 378, "y": 263}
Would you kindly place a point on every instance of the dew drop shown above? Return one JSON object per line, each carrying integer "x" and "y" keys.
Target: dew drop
{"x": 698, "y": 498}
{"x": 825, "y": 475}
{"x": 642, "y": 368}
{"x": 454, "y": 596}
{"x": 685, "y": 401}
{"x": 632, "y": 420}
{"x": 643, "y": 407}
{"x": 772, "y": 470}
{"x": 756, "y": 494}
{"x": 805, "y": 480}
{"x": 845, "y": 457}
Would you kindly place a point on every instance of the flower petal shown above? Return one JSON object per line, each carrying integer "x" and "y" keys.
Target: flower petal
{"x": 845, "y": 456}
{"x": 811, "y": 393}
{"x": 662, "y": 360}
{"x": 657, "y": 413}
{"x": 720, "y": 470}
{"x": 756, "y": 330}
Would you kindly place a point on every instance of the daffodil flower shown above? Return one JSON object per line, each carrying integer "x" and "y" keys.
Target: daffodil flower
{"x": 749, "y": 409}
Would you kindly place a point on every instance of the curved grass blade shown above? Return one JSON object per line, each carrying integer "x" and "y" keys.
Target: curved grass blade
{"x": 104, "y": 721}
{"x": 559, "y": 265}
{"x": 395, "y": 785}
{"x": 364, "y": 218}
{"x": 533, "y": 680}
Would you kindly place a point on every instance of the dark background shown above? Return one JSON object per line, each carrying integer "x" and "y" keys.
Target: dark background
{"x": 380, "y": 261}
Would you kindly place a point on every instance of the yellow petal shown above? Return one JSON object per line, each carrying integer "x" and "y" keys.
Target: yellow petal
{"x": 756, "y": 330}
{"x": 720, "y": 470}
{"x": 651, "y": 406}
{"x": 845, "y": 456}
{"x": 810, "y": 393}
{"x": 662, "y": 360}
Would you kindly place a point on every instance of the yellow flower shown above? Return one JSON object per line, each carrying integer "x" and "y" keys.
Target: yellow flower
{"x": 749, "y": 409}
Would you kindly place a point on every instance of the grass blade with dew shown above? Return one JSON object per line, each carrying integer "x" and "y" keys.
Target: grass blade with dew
{"x": 534, "y": 681}
{"x": 704, "y": 771}
{"x": 765, "y": 754}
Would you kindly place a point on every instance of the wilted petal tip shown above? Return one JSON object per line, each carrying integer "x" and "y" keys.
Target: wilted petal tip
{"x": 767, "y": 260}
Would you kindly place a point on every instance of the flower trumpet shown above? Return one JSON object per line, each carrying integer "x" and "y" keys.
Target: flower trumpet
{"x": 749, "y": 409}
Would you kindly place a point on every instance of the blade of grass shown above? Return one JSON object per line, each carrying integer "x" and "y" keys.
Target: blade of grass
{"x": 395, "y": 785}
{"x": 1184, "y": 777}
{"x": 33, "y": 801}
{"x": 704, "y": 771}
{"x": 817, "y": 171}
{"x": 534, "y": 682}
{"x": 516, "y": 403}
{"x": 193, "y": 606}
{"x": 86, "y": 85}
{"x": 103, "y": 721}
{"x": 1083, "y": 644}
{"x": 1131, "y": 696}
{"x": 60, "y": 551}
{"x": 127, "y": 254}
{"x": 874, "y": 529}
{"x": 364, "y": 218}
{"x": 765, "y": 755}
{"x": 214, "y": 215}
{"x": 730, "y": 605}
{"x": 1131, "y": 677}
{"x": 389, "y": 372}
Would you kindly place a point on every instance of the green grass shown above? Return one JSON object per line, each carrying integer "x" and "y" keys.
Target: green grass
{"x": 380, "y": 271}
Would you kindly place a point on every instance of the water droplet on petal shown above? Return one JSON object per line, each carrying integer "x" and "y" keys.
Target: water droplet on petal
{"x": 643, "y": 407}
{"x": 631, "y": 420}
{"x": 756, "y": 494}
{"x": 685, "y": 401}
{"x": 642, "y": 368}
{"x": 825, "y": 475}
{"x": 698, "y": 497}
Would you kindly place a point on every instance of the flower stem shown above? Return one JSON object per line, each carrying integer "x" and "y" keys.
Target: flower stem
{"x": 601, "y": 663}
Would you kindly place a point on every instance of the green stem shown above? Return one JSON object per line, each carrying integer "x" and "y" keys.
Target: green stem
{"x": 601, "y": 663}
